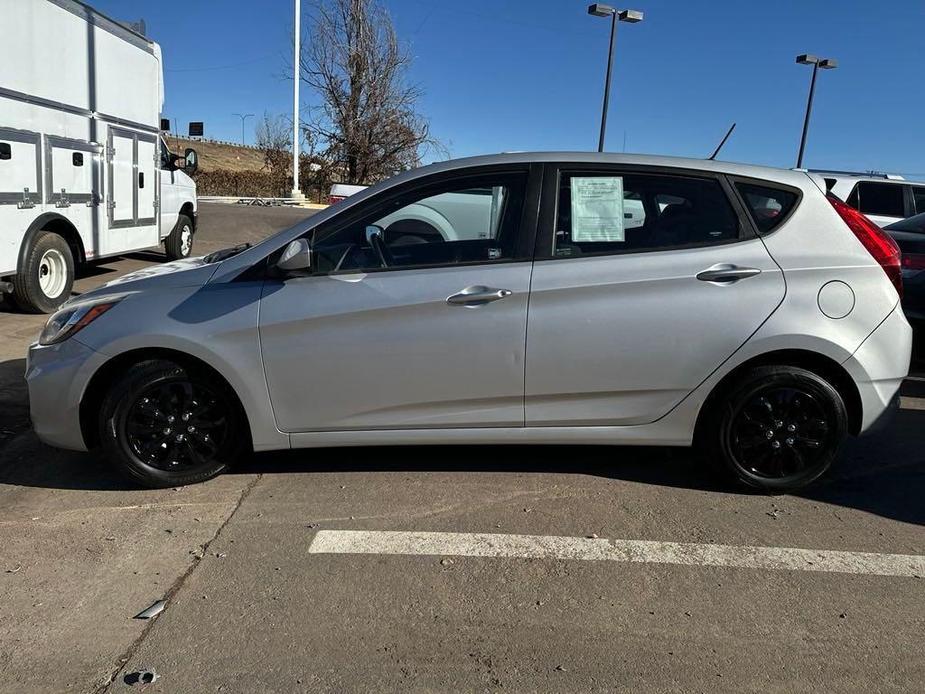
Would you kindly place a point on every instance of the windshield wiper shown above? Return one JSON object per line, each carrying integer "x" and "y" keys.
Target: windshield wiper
{"x": 225, "y": 253}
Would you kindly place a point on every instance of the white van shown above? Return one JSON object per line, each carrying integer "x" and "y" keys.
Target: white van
{"x": 84, "y": 173}
{"x": 883, "y": 198}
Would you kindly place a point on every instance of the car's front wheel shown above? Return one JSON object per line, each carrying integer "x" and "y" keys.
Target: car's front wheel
{"x": 164, "y": 424}
{"x": 776, "y": 428}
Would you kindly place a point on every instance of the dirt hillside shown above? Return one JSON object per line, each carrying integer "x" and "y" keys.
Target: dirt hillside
{"x": 220, "y": 155}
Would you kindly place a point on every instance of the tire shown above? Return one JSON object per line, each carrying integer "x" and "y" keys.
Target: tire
{"x": 776, "y": 428}
{"x": 179, "y": 243}
{"x": 47, "y": 275}
{"x": 166, "y": 425}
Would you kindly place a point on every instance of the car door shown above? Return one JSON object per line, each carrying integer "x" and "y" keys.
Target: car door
{"x": 627, "y": 319}
{"x": 403, "y": 322}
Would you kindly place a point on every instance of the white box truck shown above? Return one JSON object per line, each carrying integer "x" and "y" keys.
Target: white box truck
{"x": 84, "y": 171}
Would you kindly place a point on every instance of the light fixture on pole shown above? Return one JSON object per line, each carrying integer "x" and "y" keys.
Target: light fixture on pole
{"x": 243, "y": 118}
{"x": 629, "y": 16}
{"x": 816, "y": 62}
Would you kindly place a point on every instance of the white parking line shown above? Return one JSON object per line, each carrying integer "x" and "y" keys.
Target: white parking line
{"x": 599, "y": 549}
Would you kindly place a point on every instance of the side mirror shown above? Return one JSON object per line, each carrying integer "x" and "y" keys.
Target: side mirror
{"x": 297, "y": 256}
{"x": 191, "y": 161}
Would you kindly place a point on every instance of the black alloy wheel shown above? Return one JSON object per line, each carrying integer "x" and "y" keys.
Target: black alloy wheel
{"x": 164, "y": 424}
{"x": 775, "y": 428}
{"x": 177, "y": 425}
{"x": 779, "y": 432}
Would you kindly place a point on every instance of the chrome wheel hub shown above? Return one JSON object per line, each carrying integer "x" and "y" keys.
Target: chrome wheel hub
{"x": 52, "y": 273}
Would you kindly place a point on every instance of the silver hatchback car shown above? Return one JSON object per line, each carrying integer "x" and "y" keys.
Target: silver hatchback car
{"x": 564, "y": 298}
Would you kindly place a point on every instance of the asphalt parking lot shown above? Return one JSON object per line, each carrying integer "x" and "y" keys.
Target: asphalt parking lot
{"x": 267, "y": 592}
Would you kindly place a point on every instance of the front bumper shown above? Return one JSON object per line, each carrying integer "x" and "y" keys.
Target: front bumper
{"x": 57, "y": 376}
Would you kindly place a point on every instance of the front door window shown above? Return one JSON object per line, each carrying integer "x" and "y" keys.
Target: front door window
{"x": 469, "y": 221}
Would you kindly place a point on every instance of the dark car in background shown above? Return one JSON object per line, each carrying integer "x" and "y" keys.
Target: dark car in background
{"x": 909, "y": 235}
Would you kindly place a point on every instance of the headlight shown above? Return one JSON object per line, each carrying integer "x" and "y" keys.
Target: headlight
{"x": 73, "y": 319}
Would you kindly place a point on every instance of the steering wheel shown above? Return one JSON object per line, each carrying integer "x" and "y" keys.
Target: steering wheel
{"x": 378, "y": 245}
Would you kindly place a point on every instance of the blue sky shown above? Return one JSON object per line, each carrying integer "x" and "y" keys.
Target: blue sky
{"x": 514, "y": 75}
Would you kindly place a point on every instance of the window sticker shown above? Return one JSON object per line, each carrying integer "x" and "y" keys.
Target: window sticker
{"x": 597, "y": 208}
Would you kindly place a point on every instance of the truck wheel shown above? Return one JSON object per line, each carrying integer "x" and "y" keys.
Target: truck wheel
{"x": 179, "y": 244}
{"x": 47, "y": 275}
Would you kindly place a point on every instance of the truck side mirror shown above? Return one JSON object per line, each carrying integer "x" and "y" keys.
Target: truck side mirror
{"x": 191, "y": 159}
{"x": 6, "y": 152}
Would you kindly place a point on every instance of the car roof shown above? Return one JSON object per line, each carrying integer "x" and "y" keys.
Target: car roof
{"x": 796, "y": 178}
{"x": 792, "y": 176}
{"x": 852, "y": 177}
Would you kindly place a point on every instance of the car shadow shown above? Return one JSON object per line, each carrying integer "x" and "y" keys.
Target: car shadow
{"x": 882, "y": 474}
{"x": 14, "y": 400}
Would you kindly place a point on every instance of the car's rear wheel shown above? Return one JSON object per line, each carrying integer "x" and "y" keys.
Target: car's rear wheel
{"x": 777, "y": 428}
{"x": 166, "y": 425}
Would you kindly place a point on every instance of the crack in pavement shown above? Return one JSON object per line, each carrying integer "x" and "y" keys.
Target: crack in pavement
{"x": 107, "y": 682}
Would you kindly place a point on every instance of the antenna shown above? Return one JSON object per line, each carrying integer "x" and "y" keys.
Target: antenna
{"x": 720, "y": 146}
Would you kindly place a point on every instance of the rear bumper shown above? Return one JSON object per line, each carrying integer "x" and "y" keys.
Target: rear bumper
{"x": 884, "y": 418}
{"x": 878, "y": 368}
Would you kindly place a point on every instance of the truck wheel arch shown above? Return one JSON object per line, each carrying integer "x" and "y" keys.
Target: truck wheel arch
{"x": 187, "y": 210}
{"x": 55, "y": 223}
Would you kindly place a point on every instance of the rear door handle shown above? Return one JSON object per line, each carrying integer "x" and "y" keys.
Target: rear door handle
{"x": 477, "y": 295}
{"x": 727, "y": 274}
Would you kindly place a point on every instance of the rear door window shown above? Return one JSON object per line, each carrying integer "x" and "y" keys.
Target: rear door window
{"x": 767, "y": 206}
{"x": 604, "y": 213}
{"x": 918, "y": 193}
{"x": 880, "y": 199}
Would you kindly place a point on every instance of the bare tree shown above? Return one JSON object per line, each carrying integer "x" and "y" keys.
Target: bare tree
{"x": 367, "y": 123}
{"x": 274, "y": 140}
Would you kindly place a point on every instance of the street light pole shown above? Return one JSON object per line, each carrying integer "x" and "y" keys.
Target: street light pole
{"x": 296, "y": 64}
{"x": 243, "y": 118}
{"x": 631, "y": 16}
{"x": 613, "y": 46}
{"x": 825, "y": 64}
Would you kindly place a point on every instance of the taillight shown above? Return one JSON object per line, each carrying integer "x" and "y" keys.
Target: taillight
{"x": 877, "y": 242}
{"x": 335, "y": 198}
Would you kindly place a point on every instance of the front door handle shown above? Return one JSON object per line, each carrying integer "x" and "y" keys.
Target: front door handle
{"x": 727, "y": 274}
{"x": 477, "y": 295}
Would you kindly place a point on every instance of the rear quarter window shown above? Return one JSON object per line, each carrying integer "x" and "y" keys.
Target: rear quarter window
{"x": 767, "y": 206}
